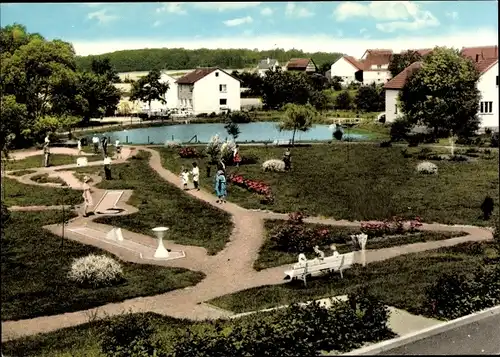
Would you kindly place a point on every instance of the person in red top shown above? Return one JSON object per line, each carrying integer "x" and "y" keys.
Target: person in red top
{"x": 236, "y": 156}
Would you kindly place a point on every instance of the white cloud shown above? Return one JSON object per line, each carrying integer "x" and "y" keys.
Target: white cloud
{"x": 353, "y": 46}
{"x": 238, "y": 22}
{"x": 267, "y": 11}
{"x": 453, "y": 15}
{"x": 363, "y": 30}
{"x": 293, "y": 10}
{"x": 172, "y": 8}
{"x": 398, "y": 15}
{"x": 102, "y": 16}
{"x": 224, "y": 6}
{"x": 156, "y": 23}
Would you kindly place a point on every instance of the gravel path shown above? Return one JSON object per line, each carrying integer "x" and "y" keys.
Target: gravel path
{"x": 229, "y": 271}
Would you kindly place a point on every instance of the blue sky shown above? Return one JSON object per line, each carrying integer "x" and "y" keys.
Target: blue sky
{"x": 348, "y": 27}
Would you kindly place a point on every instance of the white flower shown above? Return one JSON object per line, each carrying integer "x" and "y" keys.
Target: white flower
{"x": 427, "y": 167}
{"x": 173, "y": 144}
{"x": 95, "y": 270}
{"x": 274, "y": 165}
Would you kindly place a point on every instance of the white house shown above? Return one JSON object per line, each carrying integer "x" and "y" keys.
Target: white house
{"x": 208, "y": 90}
{"x": 267, "y": 64}
{"x": 487, "y": 85}
{"x": 170, "y": 97}
{"x": 376, "y": 66}
{"x": 346, "y": 68}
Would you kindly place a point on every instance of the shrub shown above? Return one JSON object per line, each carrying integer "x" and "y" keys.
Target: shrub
{"x": 296, "y": 217}
{"x": 249, "y": 159}
{"x": 213, "y": 148}
{"x": 212, "y": 115}
{"x": 202, "y": 115}
{"x": 95, "y": 271}
{"x": 173, "y": 144}
{"x": 188, "y": 152}
{"x": 386, "y": 144}
{"x": 227, "y": 151}
{"x": 487, "y": 207}
{"x": 399, "y": 129}
{"x": 274, "y": 165}
{"x": 413, "y": 140}
{"x": 427, "y": 167}
{"x": 130, "y": 335}
{"x": 494, "y": 140}
{"x": 424, "y": 153}
{"x": 240, "y": 117}
{"x": 396, "y": 225}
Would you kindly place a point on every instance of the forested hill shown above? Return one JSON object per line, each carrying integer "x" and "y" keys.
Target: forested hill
{"x": 180, "y": 58}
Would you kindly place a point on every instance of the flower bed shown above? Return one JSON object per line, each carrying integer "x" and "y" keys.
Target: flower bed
{"x": 258, "y": 187}
{"x": 395, "y": 225}
{"x": 188, "y": 152}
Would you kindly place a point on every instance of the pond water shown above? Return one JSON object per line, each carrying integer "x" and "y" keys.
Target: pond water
{"x": 251, "y": 132}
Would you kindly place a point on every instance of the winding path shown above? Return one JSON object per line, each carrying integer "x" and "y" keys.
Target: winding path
{"x": 228, "y": 271}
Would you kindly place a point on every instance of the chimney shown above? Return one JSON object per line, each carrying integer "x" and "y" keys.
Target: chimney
{"x": 268, "y": 60}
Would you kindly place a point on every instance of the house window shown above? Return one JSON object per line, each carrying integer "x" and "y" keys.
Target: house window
{"x": 222, "y": 101}
{"x": 217, "y": 74}
{"x": 395, "y": 109}
{"x": 379, "y": 66}
{"x": 486, "y": 107}
{"x": 222, "y": 88}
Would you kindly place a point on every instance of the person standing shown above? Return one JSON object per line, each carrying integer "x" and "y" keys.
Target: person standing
{"x": 236, "y": 156}
{"x": 196, "y": 176}
{"x": 287, "y": 159}
{"x": 87, "y": 196}
{"x": 107, "y": 168}
{"x": 104, "y": 143}
{"x": 95, "y": 142}
{"x": 79, "y": 144}
{"x": 118, "y": 149}
{"x": 220, "y": 187}
{"x": 46, "y": 155}
{"x": 185, "y": 178}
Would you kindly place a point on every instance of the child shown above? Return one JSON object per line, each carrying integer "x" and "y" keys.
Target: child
{"x": 196, "y": 176}
{"x": 118, "y": 149}
{"x": 236, "y": 156}
{"x": 185, "y": 178}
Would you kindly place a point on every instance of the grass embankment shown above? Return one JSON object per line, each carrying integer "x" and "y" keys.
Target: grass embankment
{"x": 35, "y": 265}
{"x": 360, "y": 182}
{"x": 399, "y": 282}
{"x": 270, "y": 256}
{"x": 191, "y": 222}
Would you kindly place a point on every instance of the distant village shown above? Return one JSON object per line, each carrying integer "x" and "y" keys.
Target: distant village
{"x": 215, "y": 90}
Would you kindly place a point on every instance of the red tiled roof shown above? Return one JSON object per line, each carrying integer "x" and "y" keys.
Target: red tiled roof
{"x": 422, "y": 52}
{"x": 378, "y": 51}
{"x": 484, "y": 65}
{"x": 481, "y": 53}
{"x": 195, "y": 75}
{"x": 399, "y": 81}
{"x": 298, "y": 63}
{"x": 354, "y": 62}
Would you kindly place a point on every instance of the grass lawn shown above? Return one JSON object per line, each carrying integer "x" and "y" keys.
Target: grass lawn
{"x": 34, "y": 268}
{"x": 20, "y": 194}
{"x": 23, "y": 172}
{"x": 270, "y": 256}
{"x": 37, "y": 161}
{"x": 374, "y": 183}
{"x": 191, "y": 222}
{"x": 45, "y": 178}
{"x": 398, "y": 282}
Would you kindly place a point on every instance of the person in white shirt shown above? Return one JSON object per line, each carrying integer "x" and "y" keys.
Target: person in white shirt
{"x": 118, "y": 149}
{"x": 196, "y": 176}
{"x": 79, "y": 143}
{"x": 87, "y": 196}
{"x": 95, "y": 141}
{"x": 185, "y": 178}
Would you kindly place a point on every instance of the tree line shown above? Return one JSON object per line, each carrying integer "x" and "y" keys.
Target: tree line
{"x": 41, "y": 90}
{"x": 180, "y": 58}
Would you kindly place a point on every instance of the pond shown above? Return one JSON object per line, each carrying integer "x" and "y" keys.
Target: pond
{"x": 251, "y": 132}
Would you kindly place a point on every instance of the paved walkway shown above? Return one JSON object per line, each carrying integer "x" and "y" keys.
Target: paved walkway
{"x": 229, "y": 271}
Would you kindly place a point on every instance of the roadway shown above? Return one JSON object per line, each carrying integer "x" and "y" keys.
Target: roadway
{"x": 477, "y": 338}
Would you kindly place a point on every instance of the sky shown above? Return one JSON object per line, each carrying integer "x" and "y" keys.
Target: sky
{"x": 344, "y": 26}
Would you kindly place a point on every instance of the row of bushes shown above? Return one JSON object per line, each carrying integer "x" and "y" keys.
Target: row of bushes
{"x": 294, "y": 331}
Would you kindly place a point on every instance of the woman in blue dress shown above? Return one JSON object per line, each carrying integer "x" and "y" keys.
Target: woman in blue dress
{"x": 220, "y": 187}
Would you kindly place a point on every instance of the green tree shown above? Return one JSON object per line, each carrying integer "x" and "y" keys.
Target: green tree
{"x": 282, "y": 87}
{"x": 14, "y": 36}
{"x": 400, "y": 61}
{"x": 13, "y": 123}
{"x": 319, "y": 100}
{"x": 149, "y": 88}
{"x": 336, "y": 83}
{"x": 297, "y": 117}
{"x": 232, "y": 129}
{"x": 103, "y": 67}
{"x": 325, "y": 67}
{"x": 442, "y": 94}
{"x": 343, "y": 101}
{"x": 370, "y": 98}
{"x": 96, "y": 96}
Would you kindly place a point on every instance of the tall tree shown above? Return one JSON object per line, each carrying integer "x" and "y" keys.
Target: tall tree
{"x": 370, "y": 98}
{"x": 297, "y": 117}
{"x": 442, "y": 94}
{"x": 343, "y": 100}
{"x": 400, "y": 61}
{"x": 150, "y": 88}
{"x": 281, "y": 87}
{"x": 325, "y": 67}
{"x": 103, "y": 67}
{"x": 13, "y": 123}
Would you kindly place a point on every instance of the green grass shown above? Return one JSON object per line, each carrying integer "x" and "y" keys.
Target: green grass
{"x": 37, "y": 161}
{"x": 191, "y": 222}
{"x": 34, "y": 268}
{"x": 398, "y": 282}
{"x": 45, "y": 178}
{"x": 271, "y": 256}
{"x": 20, "y": 194}
{"x": 22, "y": 172}
{"x": 361, "y": 182}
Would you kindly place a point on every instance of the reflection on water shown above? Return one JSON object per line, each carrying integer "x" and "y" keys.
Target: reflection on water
{"x": 251, "y": 132}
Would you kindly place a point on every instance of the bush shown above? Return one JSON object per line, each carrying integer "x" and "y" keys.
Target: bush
{"x": 487, "y": 207}
{"x": 173, "y": 144}
{"x": 427, "y": 167}
{"x": 130, "y": 335}
{"x": 213, "y": 148}
{"x": 274, "y": 165}
{"x": 424, "y": 153}
{"x": 250, "y": 159}
{"x": 188, "y": 153}
{"x": 96, "y": 271}
{"x": 396, "y": 225}
{"x": 413, "y": 140}
{"x": 212, "y": 115}
{"x": 494, "y": 140}
{"x": 227, "y": 152}
{"x": 240, "y": 117}
{"x": 386, "y": 144}
{"x": 456, "y": 295}
{"x": 400, "y": 129}
{"x": 202, "y": 115}
{"x": 459, "y": 158}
